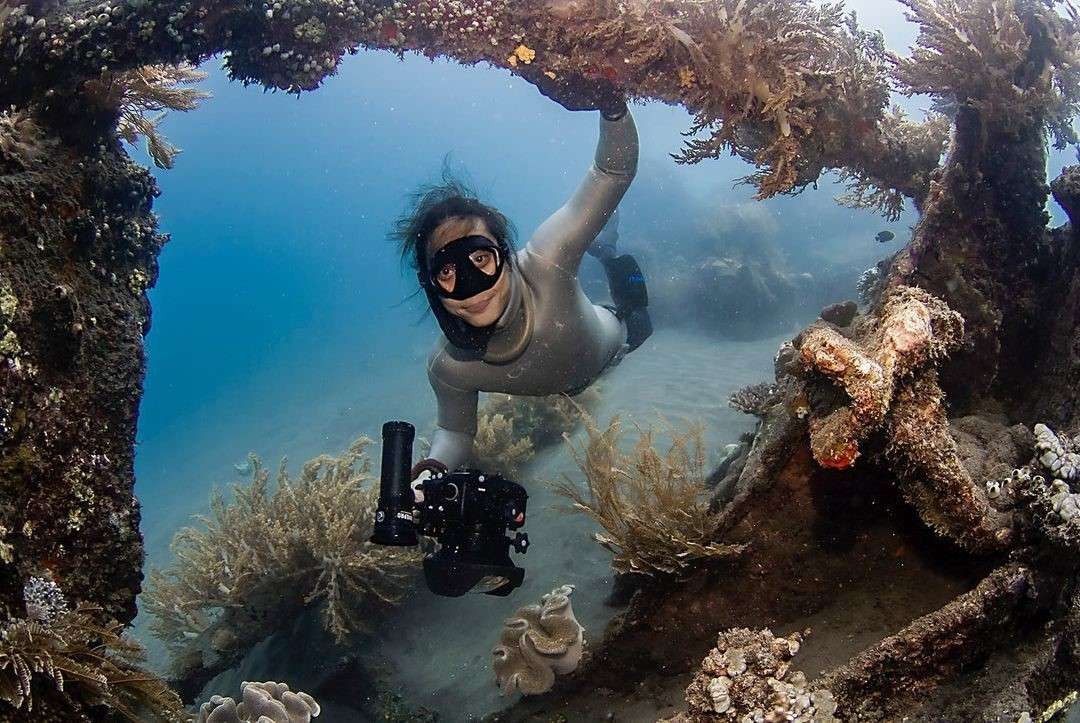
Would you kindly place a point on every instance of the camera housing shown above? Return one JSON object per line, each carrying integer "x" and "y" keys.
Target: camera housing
{"x": 468, "y": 512}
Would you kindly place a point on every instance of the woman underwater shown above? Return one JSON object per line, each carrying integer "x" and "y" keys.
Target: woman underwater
{"x": 519, "y": 322}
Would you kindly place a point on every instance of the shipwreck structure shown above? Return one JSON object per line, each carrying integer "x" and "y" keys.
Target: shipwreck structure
{"x": 875, "y": 450}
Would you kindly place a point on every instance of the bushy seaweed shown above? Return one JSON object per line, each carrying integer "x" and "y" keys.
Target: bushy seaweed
{"x": 652, "y": 505}
{"x": 137, "y": 94}
{"x": 260, "y": 559}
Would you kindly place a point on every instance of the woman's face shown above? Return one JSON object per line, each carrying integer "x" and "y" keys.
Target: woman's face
{"x": 485, "y": 308}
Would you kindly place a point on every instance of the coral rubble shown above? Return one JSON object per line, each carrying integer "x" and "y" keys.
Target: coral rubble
{"x": 748, "y": 677}
{"x": 538, "y": 643}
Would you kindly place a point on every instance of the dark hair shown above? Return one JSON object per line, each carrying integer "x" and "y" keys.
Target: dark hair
{"x": 433, "y": 204}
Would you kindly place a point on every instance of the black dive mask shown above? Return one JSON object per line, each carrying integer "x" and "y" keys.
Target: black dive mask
{"x": 468, "y": 279}
{"x": 468, "y": 282}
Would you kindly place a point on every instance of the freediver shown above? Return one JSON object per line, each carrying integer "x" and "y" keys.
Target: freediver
{"x": 518, "y": 321}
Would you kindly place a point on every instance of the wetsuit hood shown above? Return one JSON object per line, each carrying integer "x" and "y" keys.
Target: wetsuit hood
{"x": 459, "y": 332}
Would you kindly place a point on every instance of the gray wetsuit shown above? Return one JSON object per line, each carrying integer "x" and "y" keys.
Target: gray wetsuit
{"x": 550, "y": 339}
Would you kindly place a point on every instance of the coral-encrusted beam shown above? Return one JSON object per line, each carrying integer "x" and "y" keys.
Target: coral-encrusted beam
{"x": 790, "y": 86}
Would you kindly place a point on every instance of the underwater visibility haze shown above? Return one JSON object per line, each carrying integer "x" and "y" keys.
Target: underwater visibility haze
{"x": 566, "y": 360}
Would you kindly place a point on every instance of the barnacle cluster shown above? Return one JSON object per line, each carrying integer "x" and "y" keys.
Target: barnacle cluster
{"x": 748, "y": 678}
{"x": 868, "y": 285}
{"x": 44, "y": 600}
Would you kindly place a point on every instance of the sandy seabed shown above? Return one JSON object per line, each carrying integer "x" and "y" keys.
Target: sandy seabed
{"x": 437, "y": 650}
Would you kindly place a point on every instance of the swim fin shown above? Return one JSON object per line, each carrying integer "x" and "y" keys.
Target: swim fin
{"x": 631, "y": 297}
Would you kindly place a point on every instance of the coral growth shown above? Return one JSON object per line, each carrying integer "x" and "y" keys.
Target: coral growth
{"x": 261, "y": 558}
{"x": 869, "y": 285}
{"x": 260, "y": 702}
{"x": 76, "y": 227}
{"x": 840, "y": 314}
{"x": 538, "y": 643}
{"x": 652, "y": 507}
{"x": 44, "y": 600}
{"x": 1008, "y": 58}
{"x": 915, "y": 330}
{"x": 512, "y": 429}
{"x": 748, "y": 677}
{"x": 932, "y": 648}
{"x": 818, "y": 86}
{"x": 135, "y": 94}
{"x": 499, "y": 447}
{"x": 901, "y": 164}
{"x": 1048, "y": 490}
{"x": 755, "y": 399}
{"x": 86, "y": 663}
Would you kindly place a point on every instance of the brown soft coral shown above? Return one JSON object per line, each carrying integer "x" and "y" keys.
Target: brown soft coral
{"x": 258, "y": 560}
{"x": 138, "y": 93}
{"x": 998, "y": 55}
{"x": 792, "y": 86}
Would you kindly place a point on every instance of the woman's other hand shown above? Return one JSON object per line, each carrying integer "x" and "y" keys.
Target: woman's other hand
{"x": 422, "y": 471}
{"x": 579, "y": 92}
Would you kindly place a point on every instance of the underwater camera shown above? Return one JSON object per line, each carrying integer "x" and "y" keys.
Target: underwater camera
{"x": 467, "y": 512}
